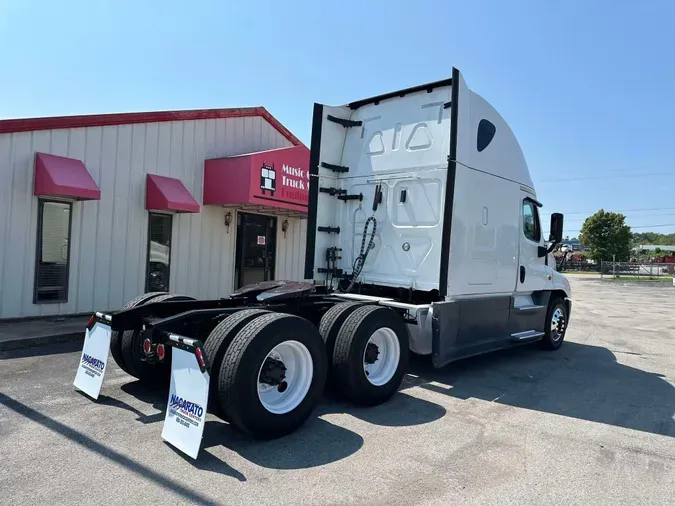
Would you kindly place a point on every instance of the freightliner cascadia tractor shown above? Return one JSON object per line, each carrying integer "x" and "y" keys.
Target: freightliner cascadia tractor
{"x": 423, "y": 236}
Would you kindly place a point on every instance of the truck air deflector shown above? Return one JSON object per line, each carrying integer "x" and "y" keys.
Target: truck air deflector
{"x": 449, "y": 187}
{"x": 314, "y": 156}
{"x": 429, "y": 87}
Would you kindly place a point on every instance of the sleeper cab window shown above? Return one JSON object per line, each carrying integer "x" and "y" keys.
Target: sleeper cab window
{"x": 486, "y": 132}
{"x": 531, "y": 227}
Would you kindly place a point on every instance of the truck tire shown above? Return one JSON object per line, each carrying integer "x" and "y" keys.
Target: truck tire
{"x": 269, "y": 348}
{"x": 132, "y": 349}
{"x": 331, "y": 322}
{"x": 330, "y": 325}
{"x": 371, "y": 355}
{"x": 116, "y": 337}
{"x": 216, "y": 345}
{"x": 555, "y": 325}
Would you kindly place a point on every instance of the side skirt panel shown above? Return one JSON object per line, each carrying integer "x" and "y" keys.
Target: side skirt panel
{"x": 470, "y": 327}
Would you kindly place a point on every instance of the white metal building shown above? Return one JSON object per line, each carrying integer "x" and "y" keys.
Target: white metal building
{"x": 97, "y": 209}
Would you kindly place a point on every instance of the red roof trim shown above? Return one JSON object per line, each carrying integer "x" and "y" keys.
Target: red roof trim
{"x": 51, "y": 123}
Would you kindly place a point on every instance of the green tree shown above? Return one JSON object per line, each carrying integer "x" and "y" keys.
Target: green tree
{"x": 606, "y": 234}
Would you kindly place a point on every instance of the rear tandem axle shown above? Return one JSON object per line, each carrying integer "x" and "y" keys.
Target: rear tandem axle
{"x": 267, "y": 351}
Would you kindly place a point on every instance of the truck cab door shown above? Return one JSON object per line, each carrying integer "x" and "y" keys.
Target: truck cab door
{"x": 532, "y": 272}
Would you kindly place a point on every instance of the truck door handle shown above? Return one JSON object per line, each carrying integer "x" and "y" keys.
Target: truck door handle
{"x": 522, "y": 274}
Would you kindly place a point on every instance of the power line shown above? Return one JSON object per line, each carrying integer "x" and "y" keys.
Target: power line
{"x": 629, "y": 217}
{"x": 621, "y": 210}
{"x": 637, "y": 226}
{"x": 608, "y": 177}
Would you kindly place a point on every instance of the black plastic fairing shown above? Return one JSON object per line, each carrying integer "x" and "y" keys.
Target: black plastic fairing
{"x": 449, "y": 187}
{"x": 445, "y": 327}
{"x": 314, "y": 159}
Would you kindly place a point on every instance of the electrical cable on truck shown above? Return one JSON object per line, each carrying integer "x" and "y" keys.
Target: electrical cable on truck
{"x": 360, "y": 260}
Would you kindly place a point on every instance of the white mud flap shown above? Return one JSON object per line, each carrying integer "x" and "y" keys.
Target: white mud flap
{"x": 91, "y": 369}
{"x": 188, "y": 396}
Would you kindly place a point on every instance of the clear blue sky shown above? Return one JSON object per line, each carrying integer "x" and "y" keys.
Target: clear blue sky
{"x": 586, "y": 85}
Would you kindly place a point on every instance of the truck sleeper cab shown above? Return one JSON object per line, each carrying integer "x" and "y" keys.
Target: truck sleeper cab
{"x": 423, "y": 235}
{"x": 457, "y": 230}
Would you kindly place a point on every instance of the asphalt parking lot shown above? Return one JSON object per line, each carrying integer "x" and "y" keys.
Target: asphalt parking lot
{"x": 592, "y": 423}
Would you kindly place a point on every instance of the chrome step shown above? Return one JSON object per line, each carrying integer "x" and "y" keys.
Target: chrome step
{"x": 529, "y": 308}
{"x": 528, "y": 334}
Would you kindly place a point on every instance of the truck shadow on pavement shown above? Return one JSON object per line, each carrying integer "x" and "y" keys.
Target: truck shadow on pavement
{"x": 190, "y": 495}
{"x": 577, "y": 381}
{"x": 157, "y": 397}
{"x": 318, "y": 442}
{"x": 43, "y": 351}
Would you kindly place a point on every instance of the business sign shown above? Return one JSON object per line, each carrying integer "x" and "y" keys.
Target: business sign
{"x": 93, "y": 361}
{"x": 276, "y": 178}
{"x": 186, "y": 409}
{"x": 281, "y": 177}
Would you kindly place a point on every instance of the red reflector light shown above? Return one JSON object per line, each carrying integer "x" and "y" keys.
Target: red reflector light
{"x": 160, "y": 351}
{"x": 200, "y": 357}
{"x": 91, "y": 321}
{"x": 147, "y": 345}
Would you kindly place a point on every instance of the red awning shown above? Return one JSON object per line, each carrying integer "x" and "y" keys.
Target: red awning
{"x": 168, "y": 194}
{"x": 274, "y": 180}
{"x": 58, "y": 176}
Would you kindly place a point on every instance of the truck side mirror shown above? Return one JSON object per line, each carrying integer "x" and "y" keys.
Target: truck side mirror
{"x": 556, "y": 228}
{"x": 555, "y": 236}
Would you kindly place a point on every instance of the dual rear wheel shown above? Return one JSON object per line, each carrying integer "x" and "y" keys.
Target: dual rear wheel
{"x": 127, "y": 347}
{"x": 268, "y": 370}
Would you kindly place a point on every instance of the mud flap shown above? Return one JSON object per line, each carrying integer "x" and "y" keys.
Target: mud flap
{"x": 188, "y": 397}
{"x": 91, "y": 369}
{"x": 445, "y": 328}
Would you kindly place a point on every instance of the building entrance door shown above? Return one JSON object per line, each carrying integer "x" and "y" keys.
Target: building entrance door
{"x": 256, "y": 248}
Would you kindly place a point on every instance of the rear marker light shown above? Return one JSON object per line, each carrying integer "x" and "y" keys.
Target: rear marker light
{"x": 91, "y": 321}
{"x": 160, "y": 351}
{"x": 147, "y": 345}
{"x": 200, "y": 357}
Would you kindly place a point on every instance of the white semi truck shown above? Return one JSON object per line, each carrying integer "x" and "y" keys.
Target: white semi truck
{"x": 423, "y": 235}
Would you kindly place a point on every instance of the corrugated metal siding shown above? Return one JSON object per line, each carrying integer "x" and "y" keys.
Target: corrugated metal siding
{"x": 108, "y": 237}
{"x": 291, "y": 250}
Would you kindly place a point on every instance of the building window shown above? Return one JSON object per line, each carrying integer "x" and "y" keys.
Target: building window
{"x": 486, "y": 132}
{"x": 52, "y": 260}
{"x": 531, "y": 227}
{"x": 159, "y": 252}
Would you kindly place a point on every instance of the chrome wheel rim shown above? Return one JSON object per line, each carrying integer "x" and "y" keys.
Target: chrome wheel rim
{"x": 558, "y": 323}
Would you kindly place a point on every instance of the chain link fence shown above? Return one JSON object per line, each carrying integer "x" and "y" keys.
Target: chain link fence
{"x": 563, "y": 265}
{"x": 637, "y": 270}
